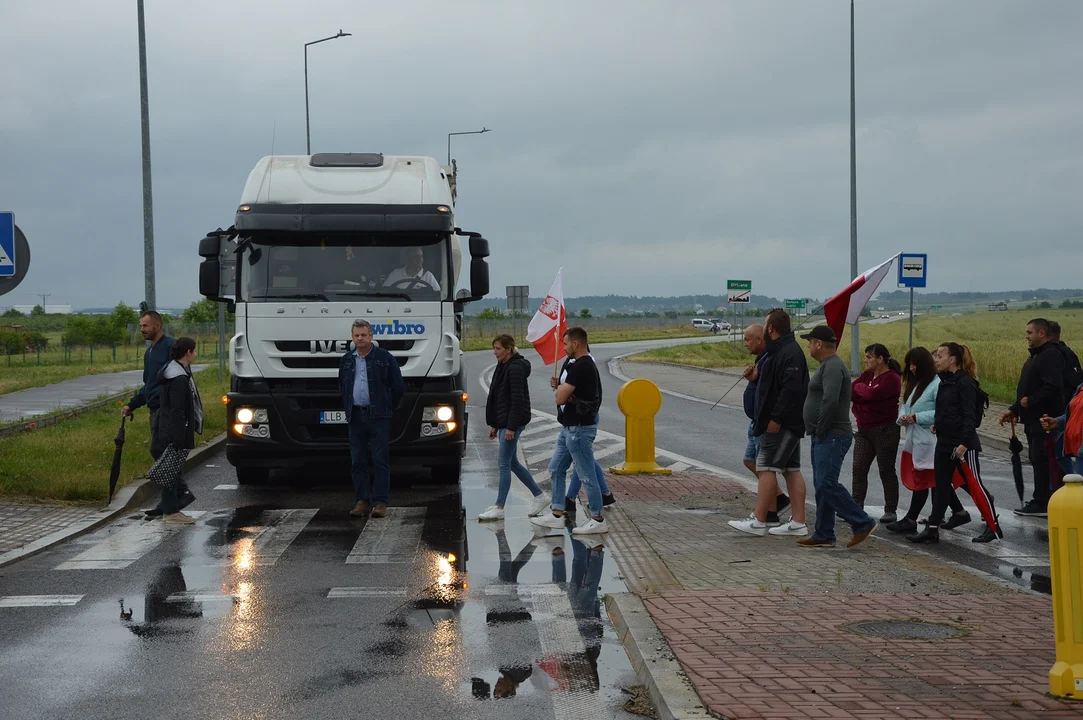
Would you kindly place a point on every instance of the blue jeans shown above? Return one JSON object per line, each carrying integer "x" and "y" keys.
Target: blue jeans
{"x": 831, "y": 497}
{"x": 507, "y": 463}
{"x": 575, "y": 444}
{"x": 576, "y": 483}
{"x": 369, "y": 440}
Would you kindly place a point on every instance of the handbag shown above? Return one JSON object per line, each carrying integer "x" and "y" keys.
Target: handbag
{"x": 167, "y": 469}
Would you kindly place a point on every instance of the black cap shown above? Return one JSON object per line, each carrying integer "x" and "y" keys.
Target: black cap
{"x": 821, "y": 332}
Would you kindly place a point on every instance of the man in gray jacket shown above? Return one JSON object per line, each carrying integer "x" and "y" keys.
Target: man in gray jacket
{"x": 827, "y": 421}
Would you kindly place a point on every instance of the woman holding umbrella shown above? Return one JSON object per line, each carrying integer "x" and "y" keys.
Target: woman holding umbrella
{"x": 1071, "y": 424}
{"x": 957, "y": 444}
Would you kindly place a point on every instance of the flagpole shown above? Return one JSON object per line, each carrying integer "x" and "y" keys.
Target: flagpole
{"x": 855, "y": 349}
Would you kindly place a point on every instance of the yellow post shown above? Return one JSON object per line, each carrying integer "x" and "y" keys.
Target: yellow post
{"x": 639, "y": 400}
{"x": 1065, "y": 560}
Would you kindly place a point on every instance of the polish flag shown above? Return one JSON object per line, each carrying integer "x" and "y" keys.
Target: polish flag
{"x": 845, "y": 308}
{"x": 547, "y": 327}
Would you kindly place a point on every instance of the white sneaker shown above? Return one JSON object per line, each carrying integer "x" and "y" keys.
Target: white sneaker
{"x": 752, "y": 526}
{"x": 591, "y": 527}
{"x": 492, "y": 513}
{"x": 538, "y": 505}
{"x": 791, "y": 528}
{"x": 549, "y": 520}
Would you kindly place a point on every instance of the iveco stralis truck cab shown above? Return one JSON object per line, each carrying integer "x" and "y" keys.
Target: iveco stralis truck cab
{"x": 318, "y": 242}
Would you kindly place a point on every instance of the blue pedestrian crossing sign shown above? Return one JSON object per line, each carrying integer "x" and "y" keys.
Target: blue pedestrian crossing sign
{"x": 7, "y": 244}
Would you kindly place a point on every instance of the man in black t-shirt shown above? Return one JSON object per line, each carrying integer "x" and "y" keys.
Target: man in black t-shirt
{"x": 578, "y": 399}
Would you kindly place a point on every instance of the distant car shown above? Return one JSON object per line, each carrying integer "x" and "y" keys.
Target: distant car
{"x": 702, "y": 324}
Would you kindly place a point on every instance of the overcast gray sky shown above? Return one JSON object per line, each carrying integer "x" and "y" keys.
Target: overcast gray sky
{"x": 649, "y": 147}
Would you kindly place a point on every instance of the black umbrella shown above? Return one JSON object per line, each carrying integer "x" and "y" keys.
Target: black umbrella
{"x": 114, "y": 472}
{"x": 1017, "y": 462}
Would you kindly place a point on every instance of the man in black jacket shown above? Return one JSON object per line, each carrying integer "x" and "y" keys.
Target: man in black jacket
{"x": 1040, "y": 392}
{"x": 155, "y": 358}
{"x": 780, "y": 426}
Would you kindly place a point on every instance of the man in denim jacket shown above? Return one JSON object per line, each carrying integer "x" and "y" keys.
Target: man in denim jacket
{"x": 371, "y": 386}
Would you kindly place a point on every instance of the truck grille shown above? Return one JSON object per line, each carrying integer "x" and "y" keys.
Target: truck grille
{"x": 322, "y": 362}
{"x": 304, "y": 346}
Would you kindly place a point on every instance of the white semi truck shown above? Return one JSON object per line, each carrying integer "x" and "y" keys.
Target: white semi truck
{"x": 318, "y": 242}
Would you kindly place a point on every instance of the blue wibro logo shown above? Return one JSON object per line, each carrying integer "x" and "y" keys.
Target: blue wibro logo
{"x": 394, "y": 327}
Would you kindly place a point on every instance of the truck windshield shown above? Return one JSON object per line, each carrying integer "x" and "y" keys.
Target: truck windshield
{"x": 340, "y": 267}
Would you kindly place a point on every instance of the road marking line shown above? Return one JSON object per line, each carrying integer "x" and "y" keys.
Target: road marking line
{"x": 678, "y": 467}
{"x": 535, "y": 443}
{"x": 227, "y": 487}
{"x": 394, "y": 539}
{"x": 558, "y": 631}
{"x": 281, "y": 527}
{"x": 8, "y": 601}
{"x": 363, "y": 592}
{"x": 184, "y": 597}
{"x": 123, "y": 547}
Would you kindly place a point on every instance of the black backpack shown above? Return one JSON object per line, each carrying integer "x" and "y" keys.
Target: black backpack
{"x": 981, "y": 403}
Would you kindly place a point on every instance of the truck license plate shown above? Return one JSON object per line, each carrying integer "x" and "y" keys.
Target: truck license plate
{"x": 333, "y": 417}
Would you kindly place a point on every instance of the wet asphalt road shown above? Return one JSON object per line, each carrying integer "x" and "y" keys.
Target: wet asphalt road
{"x": 276, "y": 604}
{"x": 717, "y": 438}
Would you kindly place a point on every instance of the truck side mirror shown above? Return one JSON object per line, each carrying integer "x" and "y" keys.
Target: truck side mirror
{"x": 210, "y": 269}
{"x": 479, "y": 268}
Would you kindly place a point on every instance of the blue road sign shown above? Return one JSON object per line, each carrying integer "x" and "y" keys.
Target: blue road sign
{"x": 7, "y": 244}
{"x": 913, "y": 270}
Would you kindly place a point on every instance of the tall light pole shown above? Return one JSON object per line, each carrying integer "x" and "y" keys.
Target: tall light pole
{"x": 855, "y": 349}
{"x": 471, "y": 132}
{"x": 308, "y": 137}
{"x": 148, "y": 196}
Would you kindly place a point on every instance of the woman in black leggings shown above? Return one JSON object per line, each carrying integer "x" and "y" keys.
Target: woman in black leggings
{"x": 957, "y": 440}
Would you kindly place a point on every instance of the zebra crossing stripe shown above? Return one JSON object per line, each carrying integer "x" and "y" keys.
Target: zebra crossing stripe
{"x": 536, "y": 443}
{"x": 12, "y": 601}
{"x": 558, "y": 632}
{"x": 364, "y": 592}
{"x": 187, "y": 597}
{"x": 227, "y": 486}
{"x": 280, "y": 528}
{"x": 393, "y": 539}
{"x": 123, "y": 547}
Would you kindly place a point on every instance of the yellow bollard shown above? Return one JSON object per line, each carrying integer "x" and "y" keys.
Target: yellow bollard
{"x": 639, "y": 400}
{"x": 1066, "y": 567}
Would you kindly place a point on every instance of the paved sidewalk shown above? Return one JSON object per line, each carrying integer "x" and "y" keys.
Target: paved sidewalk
{"x": 764, "y": 628}
{"x": 710, "y": 384}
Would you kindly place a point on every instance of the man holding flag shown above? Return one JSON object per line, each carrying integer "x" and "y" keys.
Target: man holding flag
{"x": 578, "y": 397}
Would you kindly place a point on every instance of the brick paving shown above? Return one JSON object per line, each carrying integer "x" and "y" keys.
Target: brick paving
{"x": 756, "y": 623}
{"x": 23, "y": 524}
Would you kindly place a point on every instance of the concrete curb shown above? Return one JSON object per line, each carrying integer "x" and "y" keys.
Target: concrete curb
{"x": 670, "y": 689}
{"x": 128, "y": 498}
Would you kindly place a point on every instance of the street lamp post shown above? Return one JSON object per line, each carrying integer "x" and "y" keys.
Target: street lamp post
{"x": 855, "y": 350}
{"x": 149, "y": 291}
{"x": 308, "y": 137}
{"x": 471, "y": 132}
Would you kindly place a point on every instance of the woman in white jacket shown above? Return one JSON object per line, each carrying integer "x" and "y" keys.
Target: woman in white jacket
{"x": 918, "y": 410}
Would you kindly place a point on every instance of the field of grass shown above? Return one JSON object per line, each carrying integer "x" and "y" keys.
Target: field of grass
{"x": 606, "y": 336}
{"x": 70, "y": 461}
{"x": 21, "y": 372}
{"x": 995, "y": 338}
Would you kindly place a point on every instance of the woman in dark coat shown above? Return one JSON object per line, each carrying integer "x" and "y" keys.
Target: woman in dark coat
{"x": 507, "y": 412}
{"x": 181, "y": 416}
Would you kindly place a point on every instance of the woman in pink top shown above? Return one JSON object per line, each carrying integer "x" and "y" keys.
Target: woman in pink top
{"x": 876, "y": 407}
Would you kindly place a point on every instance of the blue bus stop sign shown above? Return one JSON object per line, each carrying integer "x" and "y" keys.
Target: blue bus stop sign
{"x": 913, "y": 270}
{"x": 14, "y": 253}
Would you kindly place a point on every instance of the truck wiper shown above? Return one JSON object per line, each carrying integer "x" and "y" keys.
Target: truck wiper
{"x": 404, "y": 296}
{"x": 299, "y": 296}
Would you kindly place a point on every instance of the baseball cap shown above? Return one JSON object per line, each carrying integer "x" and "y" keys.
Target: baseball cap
{"x": 820, "y": 332}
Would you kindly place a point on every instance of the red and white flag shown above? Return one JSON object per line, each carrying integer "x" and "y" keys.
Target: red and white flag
{"x": 547, "y": 327}
{"x": 845, "y": 308}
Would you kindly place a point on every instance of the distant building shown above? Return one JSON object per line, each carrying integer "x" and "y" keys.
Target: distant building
{"x": 49, "y": 309}
{"x": 998, "y": 306}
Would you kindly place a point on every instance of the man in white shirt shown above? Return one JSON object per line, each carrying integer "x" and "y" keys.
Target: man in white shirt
{"x": 413, "y": 269}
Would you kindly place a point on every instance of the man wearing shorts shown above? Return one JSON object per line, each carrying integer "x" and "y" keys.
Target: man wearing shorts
{"x": 756, "y": 345}
{"x": 780, "y": 425}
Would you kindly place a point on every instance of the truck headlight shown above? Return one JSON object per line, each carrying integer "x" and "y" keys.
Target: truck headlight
{"x": 249, "y": 415}
{"x": 439, "y": 413}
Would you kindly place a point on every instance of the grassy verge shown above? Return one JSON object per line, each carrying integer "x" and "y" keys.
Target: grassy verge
{"x": 70, "y": 462}
{"x": 995, "y": 338}
{"x": 605, "y": 336}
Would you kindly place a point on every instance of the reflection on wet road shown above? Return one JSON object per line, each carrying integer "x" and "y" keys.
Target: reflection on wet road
{"x": 276, "y": 604}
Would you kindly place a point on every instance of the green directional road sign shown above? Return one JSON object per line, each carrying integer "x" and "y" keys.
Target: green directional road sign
{"x": 795, "y": 304}
{"x": 732, "y": 285}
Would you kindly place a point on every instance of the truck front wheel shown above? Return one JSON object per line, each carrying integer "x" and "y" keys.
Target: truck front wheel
{"x": 252, "y": 475}
{"x": 447, "y": 474}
